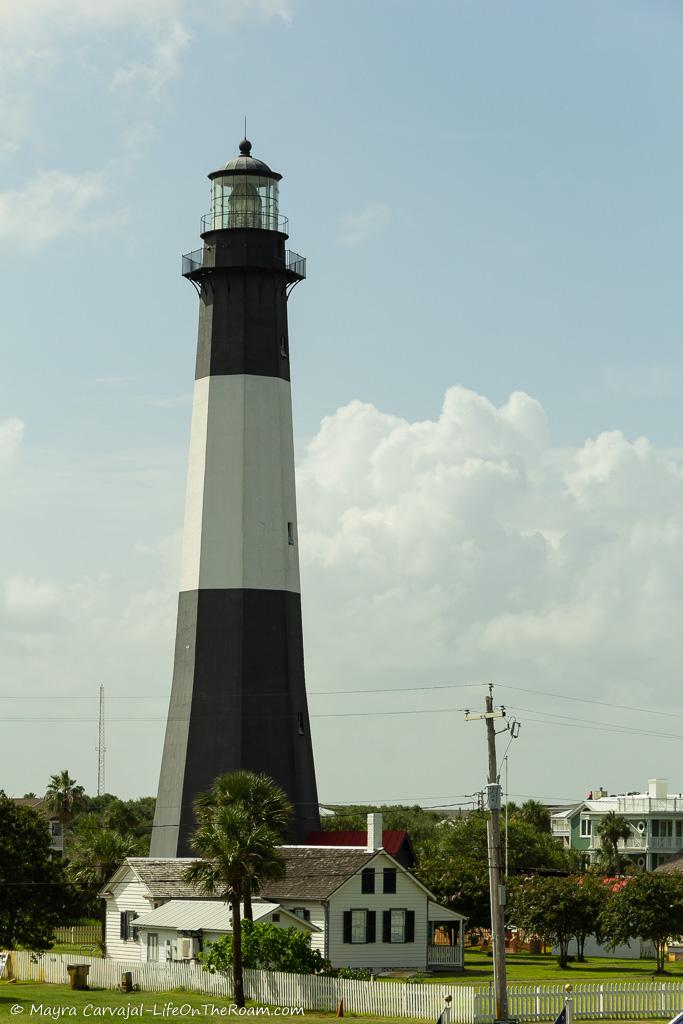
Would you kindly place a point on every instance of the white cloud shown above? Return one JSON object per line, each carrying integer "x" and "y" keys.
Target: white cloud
{"x": 450, "y": 550}
{"x": 53, "y": 204}
{"x": 42, "y": 17}
{"x": 468, "y": 548}
{"x": 51, "y": 16}
{"x": 357, "y": 228}
{"x": 163, "y": 64}
{"x": 11, "y": 436}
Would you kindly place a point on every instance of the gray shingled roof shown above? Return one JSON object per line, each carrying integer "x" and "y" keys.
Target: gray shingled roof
{"x": 163, "y": 876}
{"x": 314, "y": 872}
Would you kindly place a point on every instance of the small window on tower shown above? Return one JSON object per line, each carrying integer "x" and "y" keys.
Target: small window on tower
{"x": 290, "y": 533}
{"x": 283, "y": 346}
{"x": 300, "y": 722}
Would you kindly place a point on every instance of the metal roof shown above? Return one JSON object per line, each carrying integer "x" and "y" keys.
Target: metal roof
{"x": 209, "y": 915}
{"x": 245, "y": 163}
{"x": 435, "y": 912}
{"x": 392, "y": 839}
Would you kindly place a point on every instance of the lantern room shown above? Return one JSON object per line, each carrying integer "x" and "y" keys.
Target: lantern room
{"x": 244, "y": 194}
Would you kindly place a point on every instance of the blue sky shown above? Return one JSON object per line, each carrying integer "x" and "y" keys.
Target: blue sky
{"x": 488, "y": 196}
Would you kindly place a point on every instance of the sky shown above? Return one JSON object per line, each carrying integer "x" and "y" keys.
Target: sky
{"x": 487, "y": 377}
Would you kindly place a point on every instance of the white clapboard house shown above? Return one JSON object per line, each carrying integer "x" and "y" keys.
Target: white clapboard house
{"x": 361, "y": 907}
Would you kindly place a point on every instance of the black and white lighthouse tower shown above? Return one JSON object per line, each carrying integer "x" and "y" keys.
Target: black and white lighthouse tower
{"x": 239, "y": 697}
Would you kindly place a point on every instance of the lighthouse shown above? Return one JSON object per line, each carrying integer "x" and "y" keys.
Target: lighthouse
{"x": 238, "y": 698}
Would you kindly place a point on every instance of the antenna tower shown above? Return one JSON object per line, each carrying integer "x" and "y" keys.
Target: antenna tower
{"x": 101, "y": 749}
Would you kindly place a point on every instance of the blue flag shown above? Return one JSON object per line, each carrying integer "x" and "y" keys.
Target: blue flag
{"x": 562, "y": 1019}
{"x": 677, "y": 1020}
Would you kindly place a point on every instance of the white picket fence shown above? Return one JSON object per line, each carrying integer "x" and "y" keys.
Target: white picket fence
{"x": 381, "y": 999}
{"x": 632, "y": 1000}
{"x": 469, "y": 1004}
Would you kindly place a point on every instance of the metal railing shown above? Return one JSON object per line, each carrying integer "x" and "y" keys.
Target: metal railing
{"x": 264, "y": 221}
{"x": 560, "y": 828}
{"x": 193, "y": 261}
{"x": 649, "y": 805}
{"x": 201, "y": 258}
{"x": 295, "y": 263}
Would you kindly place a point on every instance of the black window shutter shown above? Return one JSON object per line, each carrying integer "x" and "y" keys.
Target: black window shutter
{"x": 371, "y": 926}
{"x": 386, "y": 926}
{"x": 367, "y": 880}
{"x": 123, "y": 925}
{"x": 307, "y": 914}
{"x": 390, "y": 879}
{"x": 410, "y": 926}
{"x": 347, "y": 926}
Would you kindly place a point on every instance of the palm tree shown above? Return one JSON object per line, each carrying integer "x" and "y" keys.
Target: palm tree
{"x": 611, "y": 829}
{"x": 95, "y": 854}
{"x": 234, "y": 852}
{"x": 64, "y": 797}
{"x": 263, "y": 802}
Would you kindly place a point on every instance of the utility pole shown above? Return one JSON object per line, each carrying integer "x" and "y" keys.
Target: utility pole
{"x": 100, "y": 747}
{"x": 496, "y": 886}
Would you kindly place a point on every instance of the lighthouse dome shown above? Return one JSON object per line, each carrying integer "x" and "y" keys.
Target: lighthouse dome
{"x": 245, "y": 163}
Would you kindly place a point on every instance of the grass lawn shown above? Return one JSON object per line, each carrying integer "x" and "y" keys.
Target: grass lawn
{"x": 78, "y": 949}
{"x": 525, "y": 968}
{"x": 59, "y": 1002}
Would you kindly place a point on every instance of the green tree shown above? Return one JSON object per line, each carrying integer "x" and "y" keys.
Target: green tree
{"x": 262, "y": 802}
{"x": 534, "y": 813}
{"x": 421, "y": 824}
{"x": 234, "y": 852}
{"x": 591, "y": 897}
{"x": 131, "y": 817}
{"x": 454, "y": 864}
{"x": 612, "y": 828}
{"x": 64, "y": 797}
{"x": 268, "y": 948}
{"x": 647, "y": 906}
{"x": 551, "y": 907}
{"x": 34, "y": 896}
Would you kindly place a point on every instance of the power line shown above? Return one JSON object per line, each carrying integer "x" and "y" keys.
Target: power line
{"x": 613, "y": 705}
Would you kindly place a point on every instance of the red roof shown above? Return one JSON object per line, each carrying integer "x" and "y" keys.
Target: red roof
{"x": 392, "y": 839}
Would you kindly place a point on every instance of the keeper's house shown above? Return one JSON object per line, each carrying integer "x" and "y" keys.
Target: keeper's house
{"x": 361, "y": 907}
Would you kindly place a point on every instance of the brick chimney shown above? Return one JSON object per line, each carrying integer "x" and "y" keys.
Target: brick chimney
{"x": 374, "y": 833}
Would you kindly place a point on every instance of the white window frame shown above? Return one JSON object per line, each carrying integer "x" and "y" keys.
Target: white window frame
{"x": 397, "y": 931}
{"x": 152, "y": 946}
{"x": 359, "y": 919}
{"x": 586, "y": 831}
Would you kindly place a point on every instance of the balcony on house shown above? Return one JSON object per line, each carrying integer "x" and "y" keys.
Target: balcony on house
{"x": 560, "y": 826}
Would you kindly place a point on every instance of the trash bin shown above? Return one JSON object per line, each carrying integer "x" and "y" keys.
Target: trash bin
{"x": 78, "y": 976}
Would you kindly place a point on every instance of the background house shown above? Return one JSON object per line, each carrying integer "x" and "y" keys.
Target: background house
{"x": 38, "y": 804}
{"x": 394, "y": 842}
{"x": 655, "y": 818}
